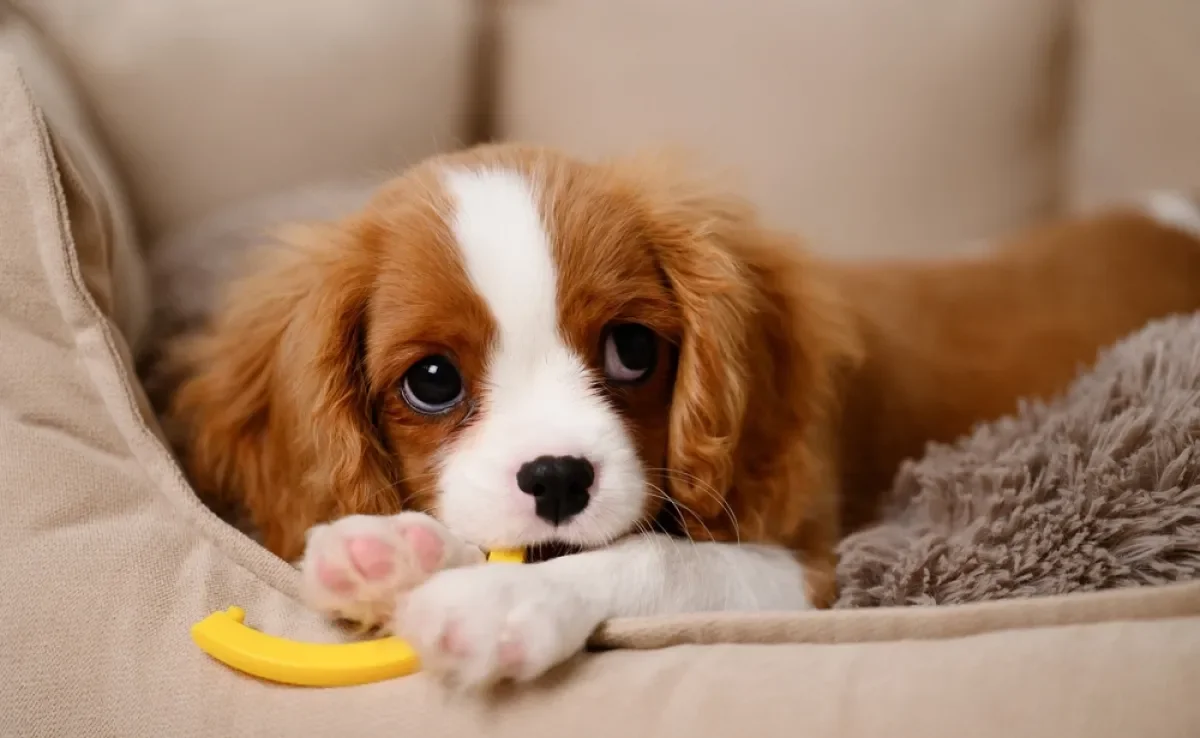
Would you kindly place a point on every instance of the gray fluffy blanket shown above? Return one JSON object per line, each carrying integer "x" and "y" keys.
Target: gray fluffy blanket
{"x": 1095, "y": 490}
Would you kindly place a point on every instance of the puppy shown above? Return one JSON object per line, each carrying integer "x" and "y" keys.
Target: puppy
{"x": 509, "y": 347}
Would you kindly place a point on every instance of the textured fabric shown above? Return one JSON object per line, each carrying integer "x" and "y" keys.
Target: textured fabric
{"x": 1137, "y": 110}
{"x": 101, "y": 545}
{"x": 873, "y": 127}
{"x": 1097, "y": 490}
{"x": 874, "y": 625}
{"x": 101, "y": 215}
{"x": 205, "y": 103}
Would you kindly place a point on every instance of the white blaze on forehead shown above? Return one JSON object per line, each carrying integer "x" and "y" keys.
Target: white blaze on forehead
{"x": 506, "y": 249}
{"x": 532, "y": 375}
{"x": 538, "y": 396}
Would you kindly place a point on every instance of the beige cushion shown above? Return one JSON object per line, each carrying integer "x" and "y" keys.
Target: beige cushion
{"x": 101, "y": 215}
{"x": 875, "y": 127}
{"x": 208, "y": 102}
{"x": 1136, "y": 123}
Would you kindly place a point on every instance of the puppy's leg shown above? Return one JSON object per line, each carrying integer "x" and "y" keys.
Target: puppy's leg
{"x": 357, "y": 567}
{"x": 481, "y": 624}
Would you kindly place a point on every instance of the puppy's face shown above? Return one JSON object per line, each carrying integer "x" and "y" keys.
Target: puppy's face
{"x": 519, "y": 347}
{"x": 518, "y": 342}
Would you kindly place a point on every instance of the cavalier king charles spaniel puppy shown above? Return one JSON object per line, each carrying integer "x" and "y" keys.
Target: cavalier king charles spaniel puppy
{"x": 509, "y": 347}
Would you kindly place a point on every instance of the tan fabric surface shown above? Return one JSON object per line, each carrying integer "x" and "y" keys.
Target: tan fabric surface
{"x": 102, "y": 215}
{"x": 1137, "y": 113}
{"x": 877, "y": 128}
{"x": 871, "y": 625}
{"x": 108, "y": 559}
{"x": 208, "y": 102}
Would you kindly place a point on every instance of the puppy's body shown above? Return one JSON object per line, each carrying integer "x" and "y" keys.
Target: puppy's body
{"x": 949, "y": 344}
{"x": 760, "y": 396}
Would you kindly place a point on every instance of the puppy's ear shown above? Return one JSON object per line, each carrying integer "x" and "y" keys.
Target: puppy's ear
{"x": 695, "y": 234}
{"x": 764, "y": 335}
{"x": 274, "y": 413}
{"x": 709, "y": 402}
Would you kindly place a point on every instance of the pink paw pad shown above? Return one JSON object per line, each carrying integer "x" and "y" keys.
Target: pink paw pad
{"x": 511, "y": 655}
{"x": 333, "y": 578}
{"x": 426, "y": 545}
{"x": 373, "y": 558}
{"x": 450, "y": 642}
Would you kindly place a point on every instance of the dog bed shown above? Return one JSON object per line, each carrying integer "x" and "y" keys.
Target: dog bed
{"x": 108, "y": 557}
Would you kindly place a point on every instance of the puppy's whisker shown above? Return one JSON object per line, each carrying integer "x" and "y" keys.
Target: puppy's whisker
{"x": 707, "y": 489}
{"x": 742, "y": 581}
{"x": 655, "y": 540}
{"x": 644, "y": 531}
{"x": 607, "y": 526}
{"x": 660, "y": 494}
{"x": 409, "y": 480}
{"x": 424, "y": 510}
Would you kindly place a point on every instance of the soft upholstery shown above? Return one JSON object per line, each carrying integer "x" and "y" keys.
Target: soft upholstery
{"x": 207, "y": 102}
{"x": 101, "y": 216}
{"x": 108, "y": 557}
{"x": 1137, "y": 100}
{"x": 838, "y": 120}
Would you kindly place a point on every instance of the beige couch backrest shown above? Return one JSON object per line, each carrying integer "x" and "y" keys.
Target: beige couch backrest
{"x": 1136, "y": 116}
{"x": 205, "y": 103}
{"x": 874, "y": 127}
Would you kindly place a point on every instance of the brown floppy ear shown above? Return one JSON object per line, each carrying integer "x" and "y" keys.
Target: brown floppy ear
{"x": 764, "y": 337}
{"x": 695, "y": 236}
{"x": 274, "y": 414}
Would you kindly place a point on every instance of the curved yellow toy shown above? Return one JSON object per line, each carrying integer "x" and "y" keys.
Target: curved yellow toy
{"x": 226, "y": 638}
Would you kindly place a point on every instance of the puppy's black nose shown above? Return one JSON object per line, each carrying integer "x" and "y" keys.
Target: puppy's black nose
{"x": 560, "y": 486}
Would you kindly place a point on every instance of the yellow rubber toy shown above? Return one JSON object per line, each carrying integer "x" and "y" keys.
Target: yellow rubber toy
{"x": 227, "y": 639}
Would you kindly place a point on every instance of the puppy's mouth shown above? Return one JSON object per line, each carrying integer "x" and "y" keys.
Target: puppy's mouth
{"x": 550, "y": 550}
{"x": 667, "y": 522}
{"x": 546, "y": 547}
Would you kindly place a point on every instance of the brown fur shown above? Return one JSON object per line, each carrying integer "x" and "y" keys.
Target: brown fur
{"x": 286, "y": 410}
{"x": 798, "y": 385}
{"x": 950, "y": 344}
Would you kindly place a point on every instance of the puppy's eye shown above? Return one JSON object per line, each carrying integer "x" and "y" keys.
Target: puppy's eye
{"x": 630, "y": 352}
{"x": 432, "y": 385}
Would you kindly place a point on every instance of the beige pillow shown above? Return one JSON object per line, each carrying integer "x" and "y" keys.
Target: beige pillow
{"x": 875, "y": 127}
{"x": 205, "y": 103}
{"x": 1136, "y": 122}
{"x": 100, "y": 213}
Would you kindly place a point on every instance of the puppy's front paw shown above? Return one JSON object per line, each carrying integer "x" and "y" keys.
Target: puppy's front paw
{"x": 355, "y": 567}
{"x": 481, "y": 625}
